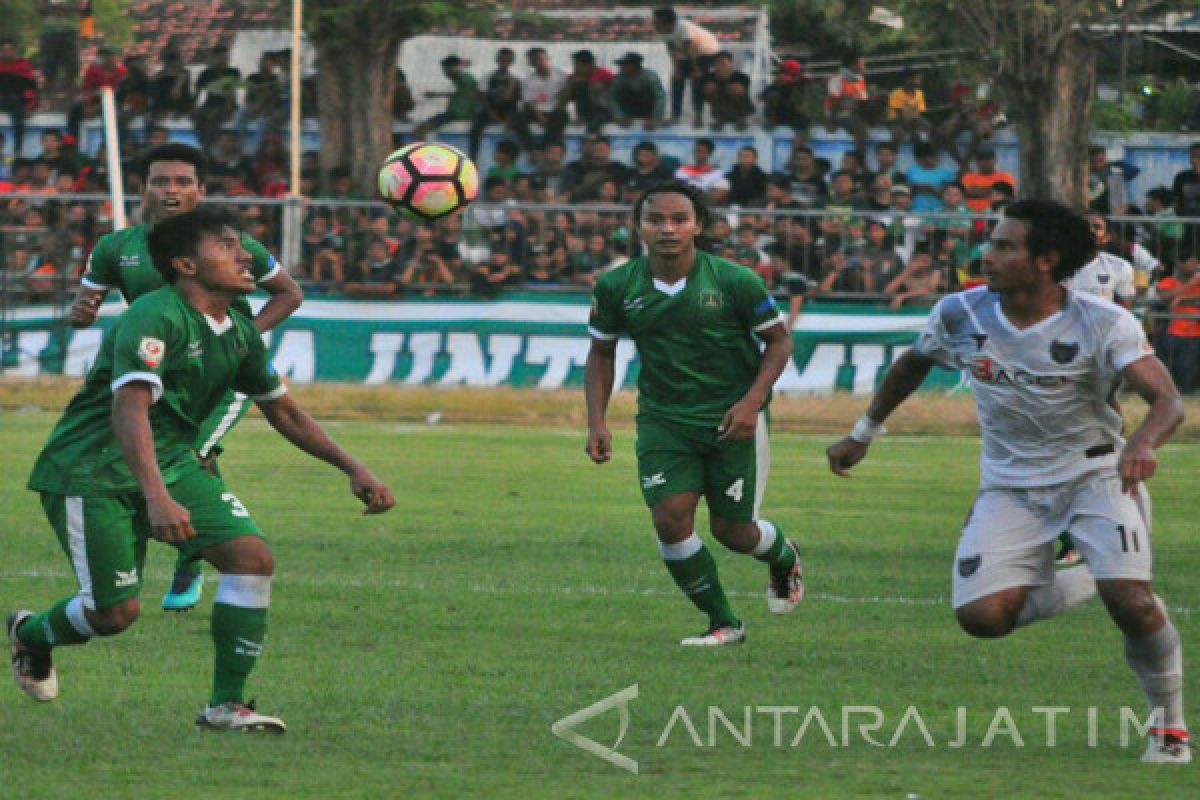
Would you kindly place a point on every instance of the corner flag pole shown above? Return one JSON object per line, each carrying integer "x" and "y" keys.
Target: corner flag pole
{"x": 292, "y": 209}
{"x": 112, "y": 149}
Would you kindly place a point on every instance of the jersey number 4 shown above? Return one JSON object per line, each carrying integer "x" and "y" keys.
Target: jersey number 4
{"x": 735, "y": 490}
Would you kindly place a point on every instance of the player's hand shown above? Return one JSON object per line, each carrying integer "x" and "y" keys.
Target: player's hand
{"x": 1136, "y": 464}
{"x": 170, "y": 522}
{"x": 375, "y": 496}
{"x": 845, "y": 454}
{"x": 599, "y": 444}
{"x": 84, "y": 310}
{"x": 739, "y": 422}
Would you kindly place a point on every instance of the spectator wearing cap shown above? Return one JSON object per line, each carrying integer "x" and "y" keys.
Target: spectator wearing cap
{"x": 541, "y": 89}
{"x": 462, "y": 104}
{"x": 106, "y": 73}
{"x": 693, "y": 50}
{"x": 266, "y": 93}
{"x": 217, "y": 87}
{"x": 171, "y": 89}
{"x": 637, "y": 94}
{"x": 703, "y": 174}
{"x": 727, "y": 92}
{"x": 906, "y": 108}
{"x": 905, "y": 227}
{"x": 588, "y": 88}
{"x": 501, "y": 100}
{"x": 18, "y": 89}
{"x": 747, "y": 181}
{"x": 785, "y": 99}
{"x": 978, "y": 183}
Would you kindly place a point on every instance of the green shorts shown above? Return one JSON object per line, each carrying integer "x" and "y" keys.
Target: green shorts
{"x": 105, "y": 536}
{"x": 233, "y": 407}
{"x": 677, "y": 457}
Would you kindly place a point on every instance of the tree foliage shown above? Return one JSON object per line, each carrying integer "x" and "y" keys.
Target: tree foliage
{"x": 19, "y": 19}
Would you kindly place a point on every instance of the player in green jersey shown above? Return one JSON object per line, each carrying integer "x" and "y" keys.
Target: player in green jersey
{"x": 120, "y": 467}
{"x": 174, "y": 184}
{"x": 697, "y": 321}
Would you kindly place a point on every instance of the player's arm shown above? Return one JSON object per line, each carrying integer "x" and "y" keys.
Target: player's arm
{"x": 86, "y": 307}
{"x": 741, "y": 419}
{"x": 285, "y": 297}
{"x": 598, "y": 375}
{"x": 170, "y": 521}
{"x": 1149, "y": 378}
{"x": 295, "y": 425}
{"x": 902, "y": 379}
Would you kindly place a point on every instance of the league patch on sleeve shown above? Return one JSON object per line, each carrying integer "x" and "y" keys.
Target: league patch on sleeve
{"x": 150, "y": 351}
{"x": 765, "y": 306}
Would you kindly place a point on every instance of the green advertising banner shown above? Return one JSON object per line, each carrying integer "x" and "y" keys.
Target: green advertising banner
{"x": 530, "y": 340}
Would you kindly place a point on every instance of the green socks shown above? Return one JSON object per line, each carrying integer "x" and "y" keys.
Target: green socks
{"x": 61, "y": 624}
{"x": 695, "y": 572}
{"x": 773, "y": 548}
{"x": 239, "y": 627}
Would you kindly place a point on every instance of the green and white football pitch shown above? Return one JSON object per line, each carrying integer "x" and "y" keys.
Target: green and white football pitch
{"x": 428, "y": 652}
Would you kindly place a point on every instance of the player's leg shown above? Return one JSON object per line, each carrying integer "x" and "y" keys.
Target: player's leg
{"x": 734, "y": 484}
{"x": 187, "y": 580}
{"x": 1113, "y": 533}
{"x": 98, "y": 536}
{"x": 1004, "y": 575}
{"x": 228, "y": 538}
{"x": 672, "y": 477}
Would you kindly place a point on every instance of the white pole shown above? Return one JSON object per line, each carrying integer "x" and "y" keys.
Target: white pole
{"x": 112, "y": 148}
{"x": 292, "y": 209}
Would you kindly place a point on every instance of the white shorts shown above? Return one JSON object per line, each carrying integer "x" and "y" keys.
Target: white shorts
{"x": 1008, "y": 537}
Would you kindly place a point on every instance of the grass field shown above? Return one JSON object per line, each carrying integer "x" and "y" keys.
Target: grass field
{"x": 427, "y": 653}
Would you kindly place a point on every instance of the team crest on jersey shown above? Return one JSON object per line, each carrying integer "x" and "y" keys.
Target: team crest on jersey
{"x": 969, "y": 566}
{"x": 150, "y": 351}
{"x": 1103, "y": 278}
{"x": 711, "y": 298}
{"x": 1063, "y": 352}
{"x": 195, "y": 350}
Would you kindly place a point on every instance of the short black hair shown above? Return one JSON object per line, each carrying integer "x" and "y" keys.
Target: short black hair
{"x": 666, "y": 14}
{"x": 177, "y": 151}
{"x": 704, "y": 215}
{"x": 647, "y": 146}
{"x": 1055, "y": 228}
{"x": 180, "y": 235}
{"x": 707, "y": 144}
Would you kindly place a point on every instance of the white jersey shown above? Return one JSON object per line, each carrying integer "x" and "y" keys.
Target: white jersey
{"x": 542, "y": 92}
{"x": 703, "y": 40}
{"x": 1107, "y": 276}
{"x": 1042, "y": 393}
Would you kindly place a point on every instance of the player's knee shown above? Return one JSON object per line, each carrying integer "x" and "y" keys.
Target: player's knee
{"x": 985, "y": 622}
{"x": 1132, "y": 605}
{"x": 116, "y": 618}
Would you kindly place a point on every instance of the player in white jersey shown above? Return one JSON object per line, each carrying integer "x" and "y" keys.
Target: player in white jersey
{"x": 1043, "y": 362}
{"x": 1111, "y": 277}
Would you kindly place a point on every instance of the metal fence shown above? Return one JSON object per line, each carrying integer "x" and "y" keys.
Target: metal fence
{"x": 883, "y": 256}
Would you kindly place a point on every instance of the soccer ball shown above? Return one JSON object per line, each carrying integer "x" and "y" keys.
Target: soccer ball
{"x": 425, "y": 182}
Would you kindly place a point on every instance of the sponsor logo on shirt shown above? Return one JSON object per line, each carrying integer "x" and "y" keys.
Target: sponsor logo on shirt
{"x": 634, "y": 304}
{"x": 130, "y": 260}
{"x": 150, "y": 351}
{"x": 986, "y": 370}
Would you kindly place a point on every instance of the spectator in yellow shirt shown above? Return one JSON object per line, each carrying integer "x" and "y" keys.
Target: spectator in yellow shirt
{"x": 906, "y": 107}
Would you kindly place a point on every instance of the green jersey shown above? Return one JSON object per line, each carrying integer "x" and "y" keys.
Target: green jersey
{"x": 191, "y": 362}
{"x": 695, "y": 338}
{"x": 121, "y": 260}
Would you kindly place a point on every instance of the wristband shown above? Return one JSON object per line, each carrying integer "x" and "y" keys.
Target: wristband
{"x": 866, "y": 429}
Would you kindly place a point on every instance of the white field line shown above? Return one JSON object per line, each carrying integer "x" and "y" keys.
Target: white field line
{"x": 585, "y": 589}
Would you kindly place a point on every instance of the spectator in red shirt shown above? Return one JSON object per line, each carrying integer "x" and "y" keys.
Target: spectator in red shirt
{"x": 18, "y": 89}
{"x": 1181, "y": 293}
{"x": 107, "y": 72}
